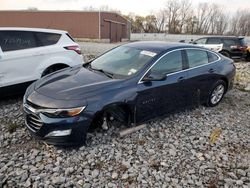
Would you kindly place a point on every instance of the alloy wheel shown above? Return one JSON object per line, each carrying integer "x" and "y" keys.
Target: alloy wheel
{"x": 217, "y": 94}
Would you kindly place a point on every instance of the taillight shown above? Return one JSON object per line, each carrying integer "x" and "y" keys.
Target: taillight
{"x": 77, "y": 49}
{"x": 241, "y": 48}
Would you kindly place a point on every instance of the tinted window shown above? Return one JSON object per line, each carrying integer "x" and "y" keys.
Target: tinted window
{"x": 214, "y": 41}
{"x": 230, "y": 42}
{"x": 16, "y": 40}
{"x": 170, "y": 63}
{"x": 201, "y": 41}
{"x": 212, "y": 57}
{"x": 46, "y": 39}
{"x": 197, "y": 57}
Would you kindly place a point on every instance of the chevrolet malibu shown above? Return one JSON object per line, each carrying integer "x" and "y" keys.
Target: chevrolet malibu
{"x": 128, "y": 85}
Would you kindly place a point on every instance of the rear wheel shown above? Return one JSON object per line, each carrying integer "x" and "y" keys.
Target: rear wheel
{"x": 216, "y": 93}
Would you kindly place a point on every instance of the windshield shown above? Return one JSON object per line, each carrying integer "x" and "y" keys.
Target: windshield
{"x": 122, "y": 61}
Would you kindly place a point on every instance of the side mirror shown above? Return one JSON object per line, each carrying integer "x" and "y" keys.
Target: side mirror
{"x": 154, "y": 77}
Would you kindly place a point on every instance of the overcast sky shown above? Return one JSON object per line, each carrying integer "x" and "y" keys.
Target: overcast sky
{"x": 141, "y": 7}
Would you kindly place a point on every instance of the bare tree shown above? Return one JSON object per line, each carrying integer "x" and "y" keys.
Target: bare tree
{"x": 101, "y": 8}
{"x": 185, "y": 13}
{"x": 32, "y": 9}
{"x": 203, "y": 18}
{"x": 172, "y": 10}
{"x": 218, "y": 23}
{"x": 179, "y": 16}
{"x": 240, "y": 23}
{"x": 160, "y": 21}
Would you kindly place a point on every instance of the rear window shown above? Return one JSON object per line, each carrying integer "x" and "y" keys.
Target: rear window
{"x": 46, "y": 39}
{"x": 16, "y": 40}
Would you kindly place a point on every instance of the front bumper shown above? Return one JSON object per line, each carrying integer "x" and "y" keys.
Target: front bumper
{"x": 57, "y": 131}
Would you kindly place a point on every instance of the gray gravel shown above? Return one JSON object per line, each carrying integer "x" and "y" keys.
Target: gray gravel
{"x": 196, "y": 148}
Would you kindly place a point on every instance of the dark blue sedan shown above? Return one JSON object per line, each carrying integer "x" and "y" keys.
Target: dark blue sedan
{"x": 130, "y": 84}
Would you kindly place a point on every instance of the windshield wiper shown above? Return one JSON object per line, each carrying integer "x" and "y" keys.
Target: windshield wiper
{"x": 108, "y": 74}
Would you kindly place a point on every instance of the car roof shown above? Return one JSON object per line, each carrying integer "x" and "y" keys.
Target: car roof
{"x": 32, "y": 29}
{"x": 159, "y": 46}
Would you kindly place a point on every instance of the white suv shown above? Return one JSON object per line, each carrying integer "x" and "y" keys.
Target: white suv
{"x": 27, "y": 54}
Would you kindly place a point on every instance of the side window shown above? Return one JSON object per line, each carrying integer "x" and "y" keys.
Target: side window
{"x": 170, "y": 63}
{"x": 46, "y": 39}
{"x": 197, "y": 57}
{"x": 16, "y": 40}
{"x": 212, "y": 57}
{"x": 230, "y": 42}
{"x": 201, "y": 41}
{"x": 214, "y": 41}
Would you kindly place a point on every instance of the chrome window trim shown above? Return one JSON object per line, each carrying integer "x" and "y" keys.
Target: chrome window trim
{"x": 219, "y": 58}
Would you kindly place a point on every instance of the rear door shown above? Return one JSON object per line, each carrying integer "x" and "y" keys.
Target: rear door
{"x": 202, "y": 73}
{"x": 157, "y": 98}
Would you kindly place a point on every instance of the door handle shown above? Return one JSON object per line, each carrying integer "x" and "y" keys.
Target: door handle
{"x": 180, "y": 79}
{"x": 211, "y": 70}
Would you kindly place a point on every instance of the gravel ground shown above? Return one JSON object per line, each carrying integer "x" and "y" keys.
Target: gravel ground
{"x": 91, "y": 50}
{"x": 204, "y": 147}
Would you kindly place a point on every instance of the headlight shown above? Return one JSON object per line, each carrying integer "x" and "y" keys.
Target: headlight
{"x": 62, "y": 112}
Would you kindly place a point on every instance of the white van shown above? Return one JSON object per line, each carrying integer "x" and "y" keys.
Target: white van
{"x": 27, "y": 54}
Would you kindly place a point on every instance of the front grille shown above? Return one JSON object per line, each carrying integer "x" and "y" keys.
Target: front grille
{"x": 34, "y": 123}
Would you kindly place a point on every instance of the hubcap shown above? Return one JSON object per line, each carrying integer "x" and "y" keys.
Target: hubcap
{"x": 217, "y": 94}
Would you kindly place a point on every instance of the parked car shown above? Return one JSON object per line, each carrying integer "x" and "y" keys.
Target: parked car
{"x": 27, "y": 54}
{"x": 132, "y": 83}
{"x": 232, "y": 47}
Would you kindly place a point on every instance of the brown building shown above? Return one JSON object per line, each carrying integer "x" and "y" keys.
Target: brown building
{"x": 102, "y": 26}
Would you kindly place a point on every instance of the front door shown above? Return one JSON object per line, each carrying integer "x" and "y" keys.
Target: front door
{"x": 156, "y": 98}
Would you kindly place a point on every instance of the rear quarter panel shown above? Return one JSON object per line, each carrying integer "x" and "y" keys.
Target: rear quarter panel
{"x": 59, "y": 55}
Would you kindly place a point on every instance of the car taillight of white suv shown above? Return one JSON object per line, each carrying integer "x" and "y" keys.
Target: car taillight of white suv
{"x": 27, "y": 54}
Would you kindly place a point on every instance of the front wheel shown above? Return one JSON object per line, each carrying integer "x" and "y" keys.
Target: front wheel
{"x": 216, "y": 93}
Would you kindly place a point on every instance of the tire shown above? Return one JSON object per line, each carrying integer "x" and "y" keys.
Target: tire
{"x": 226, "y": 54}
{"x": 216, "y": 94}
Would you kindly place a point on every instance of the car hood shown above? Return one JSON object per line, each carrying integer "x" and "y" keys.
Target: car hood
{"x": 73, "y": 83}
